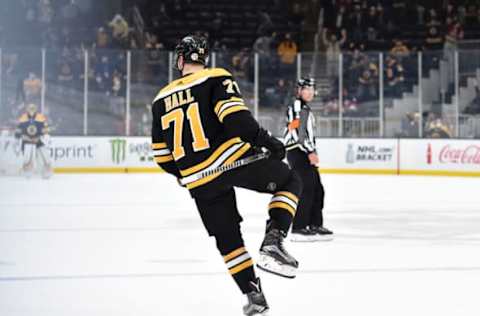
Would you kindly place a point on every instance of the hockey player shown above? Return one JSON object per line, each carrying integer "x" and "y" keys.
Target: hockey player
{"x": 201, "y": 122}
{"x": 32, "y": 131}
{"x": 302, "y": 157}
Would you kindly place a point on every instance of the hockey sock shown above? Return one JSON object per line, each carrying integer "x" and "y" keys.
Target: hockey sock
{"x": 282, "y": 209}
{"x": 240, "y": 266}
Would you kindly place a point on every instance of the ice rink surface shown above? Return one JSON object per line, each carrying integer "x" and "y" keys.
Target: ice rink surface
{"x": 102, "y": 245}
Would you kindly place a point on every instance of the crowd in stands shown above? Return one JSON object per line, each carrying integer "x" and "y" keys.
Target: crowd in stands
{"x": 275, "y": 29}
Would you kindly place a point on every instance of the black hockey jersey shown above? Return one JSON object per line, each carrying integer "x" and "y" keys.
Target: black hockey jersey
{"x": 31, "y": 127}
{"x": 188, "y": 134}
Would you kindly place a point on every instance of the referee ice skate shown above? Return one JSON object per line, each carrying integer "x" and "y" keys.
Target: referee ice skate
{"x": 302, "y": 157}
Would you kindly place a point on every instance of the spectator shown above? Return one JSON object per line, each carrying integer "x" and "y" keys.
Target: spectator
{"x": 420, "y": 10}
{"x": 65, "y": 75}
{"x": 437, "y": 128}
{"x": 240, "y": 62}
{"x": 433, "y": 41}
{"x": 120, "y": 29}
{"x": 474, "y": 107}
{"x": 265, "y": 23}
{"x": 102, "y": 38}
{"x": 103, "y": 73}
{"x": 410, "y": 125}
{"x": 371, "y": 24}
{"x": 356, "y": 23}
{"x": 394, "y": 76}
{"x": 287, "y": 50}
{"x": 116, "y": 84}
{"x": 367, "y": 87}
{"x": 32, "y": 87}
{"x": 400, "y": 49}
{"x": 433, "y": 19}
{"x": 341, "y": 20}
{"x": 334, "y": 48}
{"x": 45, "y": 12}
{"x": 263, "y": 45}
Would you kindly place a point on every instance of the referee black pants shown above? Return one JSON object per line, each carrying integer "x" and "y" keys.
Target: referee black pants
{"x": 310, "y": 207}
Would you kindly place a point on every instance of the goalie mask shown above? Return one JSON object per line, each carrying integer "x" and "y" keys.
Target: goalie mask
{"x": 193, "y": 49}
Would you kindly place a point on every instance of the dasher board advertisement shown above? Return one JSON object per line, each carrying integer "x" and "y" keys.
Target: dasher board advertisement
{"x": 449, "y": 157}
{"x": 358, "y": 155}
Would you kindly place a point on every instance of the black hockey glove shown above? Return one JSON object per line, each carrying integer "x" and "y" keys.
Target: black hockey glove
{"x": 265, "y": 139}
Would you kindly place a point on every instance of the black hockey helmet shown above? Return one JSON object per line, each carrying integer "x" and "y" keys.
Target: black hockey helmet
{"x": 306, "y": 82}
{"x": 194, "y": 49}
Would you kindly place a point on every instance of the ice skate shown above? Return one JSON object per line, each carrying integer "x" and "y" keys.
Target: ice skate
{"x": 322, "y": 233}
{"x": 303, "y": 235}
{"x": 257, "y": 304}
{"x": 273, "y": 256}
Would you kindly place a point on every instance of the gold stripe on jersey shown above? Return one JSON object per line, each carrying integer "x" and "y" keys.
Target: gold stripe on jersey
{"x": 159, "y": 146}
{"x": 231, "y": 110}
{"x": 239, "y": 153}
{"x": 163, "y": 159}
{"x": 220, "y": 103}
{"x": 161, "y": 153}
{"x": 220, "y": 150}
{"x": 226, "y": 107}
{"x": 191, "y": 80}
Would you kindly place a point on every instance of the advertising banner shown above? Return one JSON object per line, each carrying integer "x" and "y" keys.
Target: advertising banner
{"x": 351, "y": 156}
{"x": 443, "y": 157}
{"x": 87, "y": 154}
{"x": 358, "y": 155}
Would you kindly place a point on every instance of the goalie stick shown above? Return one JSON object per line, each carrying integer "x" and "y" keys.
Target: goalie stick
{"x": 237, "y": 164}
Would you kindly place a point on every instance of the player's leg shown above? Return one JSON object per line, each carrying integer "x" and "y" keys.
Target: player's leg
{"x": 46, "y": 166}
{"x": 298, "y": 160}
{"x": 29, "y": 152}
{"x": 275, "y": 177}
{"x": 300, "y": 228}
{"x": 221, "y": 219}
{"x": 316, "y": 224}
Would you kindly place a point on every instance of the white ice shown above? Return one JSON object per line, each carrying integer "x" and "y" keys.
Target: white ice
{"x": 134, "y": 245}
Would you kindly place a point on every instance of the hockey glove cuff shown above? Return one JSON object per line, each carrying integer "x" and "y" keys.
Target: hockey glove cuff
{"x": 265, "y": 139}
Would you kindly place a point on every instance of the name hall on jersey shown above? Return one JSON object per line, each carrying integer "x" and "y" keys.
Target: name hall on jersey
{"x": 178, "y": 99}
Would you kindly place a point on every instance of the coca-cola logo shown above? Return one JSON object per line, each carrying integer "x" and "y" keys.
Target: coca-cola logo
{"x": 467, "y": 155}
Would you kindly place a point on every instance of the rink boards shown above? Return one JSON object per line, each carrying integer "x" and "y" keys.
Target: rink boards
{"x": 347, "y": 156}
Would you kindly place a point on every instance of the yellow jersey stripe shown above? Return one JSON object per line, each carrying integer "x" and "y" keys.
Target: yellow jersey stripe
{"x": 234, "y": 254}
{"x": 191, "y": 80}
{"x": 230, "y": 160}
{"x": 212, "y": 158}
{"x": 222, "y": 102}
{"x": 163, "y": 159}
{"x": 241, "y": 267}
{"x": 159, "y": 145}
{"x": 283, "y": 205}
{"x": 289, "y": 195}
{"x": 231, "y": 110}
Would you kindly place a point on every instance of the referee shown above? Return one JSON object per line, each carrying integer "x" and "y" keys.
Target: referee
{"x": 302, "y": 156}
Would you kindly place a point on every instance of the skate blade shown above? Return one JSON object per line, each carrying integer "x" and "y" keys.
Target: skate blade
{"x": 300, "y": 238}
{"x": 262, "y": 313}
{"x": 309, "y": 239}
{"x": 269, "y": 264}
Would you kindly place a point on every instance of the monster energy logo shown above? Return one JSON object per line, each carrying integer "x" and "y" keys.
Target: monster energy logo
{"x": 119, "y": 149}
